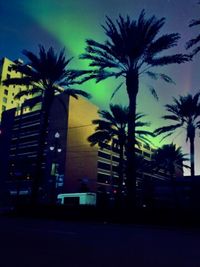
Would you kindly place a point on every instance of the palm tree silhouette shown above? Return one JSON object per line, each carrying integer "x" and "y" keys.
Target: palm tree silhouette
{"x": 195, "y": 41}
{"x": 113, "y": 126}
{"x": 185, "y": 114}
{"x": 169, "y": 159}
{"x": 132, "y": 48}
{"x": 46, "y": 75}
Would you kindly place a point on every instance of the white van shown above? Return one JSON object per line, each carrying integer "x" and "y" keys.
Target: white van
{"x": 76, "y": 199}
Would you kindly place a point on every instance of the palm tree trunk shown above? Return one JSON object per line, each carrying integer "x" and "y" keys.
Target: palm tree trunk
{"x": 44, "y": 122}
{"x": 192, "y": 196}
{"x": 192, "y": 156}
{"x": 120, "y": 172}
{"x": 132, "y": 83}
{"x": 174, "y": 193}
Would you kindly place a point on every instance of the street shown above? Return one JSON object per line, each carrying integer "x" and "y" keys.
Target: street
{"x": 26, "y": 242}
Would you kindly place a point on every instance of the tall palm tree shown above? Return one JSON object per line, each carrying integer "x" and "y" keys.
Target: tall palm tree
{"x": 45, "y": 75}
{"x": 132, "y": 48}
{"x": 185, "y": 114}
{"x": 113, "y": 125}
{"x": 170, "y": 159}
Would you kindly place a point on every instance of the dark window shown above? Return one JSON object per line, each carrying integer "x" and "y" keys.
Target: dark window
{"x": 9, "y": 68}
{"x": 104, "y": 145}
{"x": 115, "y": 168}
{"x": 103, "y": 166}
{"x": 146, "y": 154}
{"x": 146, "y": 146}
{"x": 5, "y": 92}
{"x": 103, "y": 178}
{"x": 116, "y": 158}
{"x": 8, "y": 76}
{"x": 137, "y": 150}
{"x": 103, "y": 155}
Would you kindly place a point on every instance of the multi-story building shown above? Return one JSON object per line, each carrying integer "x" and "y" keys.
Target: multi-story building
{"x": 7, "y": 93}
{"x": 71, "y": 164}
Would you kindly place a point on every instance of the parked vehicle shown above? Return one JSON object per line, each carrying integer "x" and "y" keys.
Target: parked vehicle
{"x": 77, "y": 199}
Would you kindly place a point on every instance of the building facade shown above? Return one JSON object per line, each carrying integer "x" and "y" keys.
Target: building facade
{"x": 7, "y": 93}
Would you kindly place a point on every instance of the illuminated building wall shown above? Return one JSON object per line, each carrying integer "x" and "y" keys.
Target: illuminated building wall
{"x": 82, "y": 167}
{"x": 76, "y": 161}
{"x": 7, "y": 93}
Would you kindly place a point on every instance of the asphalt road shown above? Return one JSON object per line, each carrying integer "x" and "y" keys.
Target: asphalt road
{"x": 45, "y": 243}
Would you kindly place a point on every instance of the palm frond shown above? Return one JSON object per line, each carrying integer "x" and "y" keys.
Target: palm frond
{"x": 21, "y": 94}
{"x": 166, "y": 78}
{"x": 153, "y": 92}
{"x": 166, "y": 129}
{"x": 99, "y": 137}
{"x": 166, "y": 60}
{"x": 116, "y": 90}
{"x": 18, "y": 81}
{"x": 76, "y": 92}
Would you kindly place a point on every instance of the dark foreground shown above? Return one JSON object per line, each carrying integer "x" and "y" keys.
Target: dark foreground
{"x": 28, "y": 242}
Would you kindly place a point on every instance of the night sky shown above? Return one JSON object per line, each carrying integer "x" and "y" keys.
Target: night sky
{"x": 67, "y": 23}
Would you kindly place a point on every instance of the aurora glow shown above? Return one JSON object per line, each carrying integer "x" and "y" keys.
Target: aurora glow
{"x": 67, "y": 23}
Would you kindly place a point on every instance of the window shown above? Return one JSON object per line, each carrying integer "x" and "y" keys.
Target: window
{"x": 5, "y": 92}
{"x": 3, "y": 108}
{"x": 103, "y": 178}
{"x": 146, "y": 154}
{"x": 103, "y": 155}
{"x": 104, "y": 166}
{"x": 4, "y": 100}
{"x": 146, "y": 146}
{"x": 9, "y": 68}
{"x": 8, "y": 76}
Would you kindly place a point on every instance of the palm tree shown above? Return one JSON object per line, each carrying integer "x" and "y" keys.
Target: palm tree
{"x": 169, "y": 159}
{"x": 132, "y": 48}
{"x": 113, "y": 125}
{"x": 185, "y": 114}
{"x": 195, "y": 41}
{"x": 45, "y": 75}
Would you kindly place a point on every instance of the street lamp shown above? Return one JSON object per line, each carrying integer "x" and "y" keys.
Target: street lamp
{"x": 54, "y": 166}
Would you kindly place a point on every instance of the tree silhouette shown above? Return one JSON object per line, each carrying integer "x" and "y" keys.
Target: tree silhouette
{"x": 185, "y": 114}
{"x": 195, "y": 41}
{"x": 169, "y": 159}
{"x": 132, "y": 48}
{"x": 113, "y": 126}
{"x": 45, "y": 75}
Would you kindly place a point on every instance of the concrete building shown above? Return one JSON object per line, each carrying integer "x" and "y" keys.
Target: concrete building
{"x": 7, "y": 93}
{"x": 70, "y": 164}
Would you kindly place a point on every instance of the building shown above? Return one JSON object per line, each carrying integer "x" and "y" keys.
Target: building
{"x": 7, "y": 93}
{"x": 71, "y": 164}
